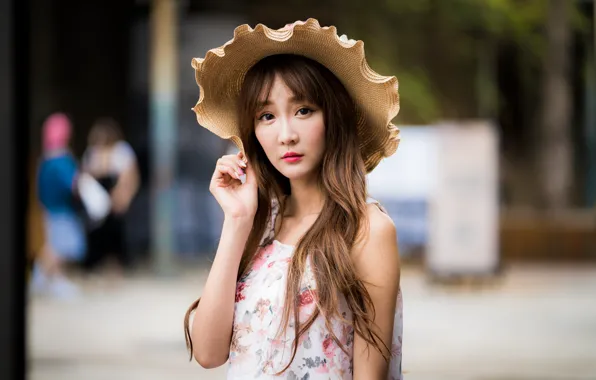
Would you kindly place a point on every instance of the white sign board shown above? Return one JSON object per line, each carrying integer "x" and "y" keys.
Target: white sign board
{"x": 404, "y": 183}
{"x": 463, "y": 236}
{"x": 410, "y": 173}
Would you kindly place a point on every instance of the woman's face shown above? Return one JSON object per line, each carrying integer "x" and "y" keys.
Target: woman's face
{"x": 291, "y": 132}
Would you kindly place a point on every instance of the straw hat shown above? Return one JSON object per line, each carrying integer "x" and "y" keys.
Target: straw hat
{"x": 221, "y": 73}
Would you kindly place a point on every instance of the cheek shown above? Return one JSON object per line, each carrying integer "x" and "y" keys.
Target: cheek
{"x": 266, "y": 140}
{"x": 317, "y": 137}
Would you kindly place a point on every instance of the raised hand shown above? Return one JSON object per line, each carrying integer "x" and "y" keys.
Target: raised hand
{"x": 238, "y": 200}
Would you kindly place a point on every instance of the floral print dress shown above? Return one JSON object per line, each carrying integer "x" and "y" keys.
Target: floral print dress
{"x": 259, "y": 352}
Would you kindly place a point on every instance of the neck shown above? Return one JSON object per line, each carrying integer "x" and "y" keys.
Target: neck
{"x": 307, "y": 198}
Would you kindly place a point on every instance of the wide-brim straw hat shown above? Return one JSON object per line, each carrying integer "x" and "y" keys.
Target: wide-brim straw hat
{"x": 221, "y": 73}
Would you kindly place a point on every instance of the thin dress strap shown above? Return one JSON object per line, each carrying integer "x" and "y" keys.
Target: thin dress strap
{"x": 370, "y": 200}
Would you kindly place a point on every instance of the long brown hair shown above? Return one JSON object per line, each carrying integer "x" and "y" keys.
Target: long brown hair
{"x": 329, "y": 242}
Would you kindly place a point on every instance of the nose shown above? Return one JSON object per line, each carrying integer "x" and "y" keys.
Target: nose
{"x": 287, "y": 134}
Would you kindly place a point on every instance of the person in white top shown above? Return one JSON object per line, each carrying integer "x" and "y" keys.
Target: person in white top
{"x": 305, "y": 283}
{"x": 112, "y": 162}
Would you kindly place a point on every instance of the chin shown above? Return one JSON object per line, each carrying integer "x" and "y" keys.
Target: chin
{"x": 297, "y": 172}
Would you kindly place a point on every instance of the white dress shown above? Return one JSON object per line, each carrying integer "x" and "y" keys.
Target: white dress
{"x": 256, "y": 352}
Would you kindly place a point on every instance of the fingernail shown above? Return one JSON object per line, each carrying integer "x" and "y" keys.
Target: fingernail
{"x": 241, "y": 163}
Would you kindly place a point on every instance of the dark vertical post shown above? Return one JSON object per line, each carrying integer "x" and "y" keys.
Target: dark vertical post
{"x": 13, "y": 115}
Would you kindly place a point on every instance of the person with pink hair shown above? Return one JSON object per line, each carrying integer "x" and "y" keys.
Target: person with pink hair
{"x": 64, "y": 228}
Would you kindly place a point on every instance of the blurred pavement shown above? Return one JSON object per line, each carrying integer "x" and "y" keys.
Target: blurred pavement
{"x": 535, "y": 323}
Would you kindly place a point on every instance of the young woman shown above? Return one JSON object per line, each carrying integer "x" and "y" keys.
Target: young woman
{"x": 112, "y": 162}
{"x": 305, "y": 281}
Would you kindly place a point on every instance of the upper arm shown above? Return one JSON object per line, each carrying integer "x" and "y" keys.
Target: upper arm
{"x": 376, "y": 260}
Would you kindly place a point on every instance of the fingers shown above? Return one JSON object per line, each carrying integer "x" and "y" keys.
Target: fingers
{"x": 248, "y": 170}
{"x": 220, "y": 170}
{"x": 233, "y": 162}
{"x": 231, "y": 165}
{"x": 250, "y": 176}
{"x": 242, "y": 157}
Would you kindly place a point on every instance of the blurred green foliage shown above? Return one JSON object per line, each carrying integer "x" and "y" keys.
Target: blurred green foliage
{"x": 443, "y": 51}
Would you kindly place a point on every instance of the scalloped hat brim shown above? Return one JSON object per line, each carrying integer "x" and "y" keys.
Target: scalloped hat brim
{"x": 221, "y": 73}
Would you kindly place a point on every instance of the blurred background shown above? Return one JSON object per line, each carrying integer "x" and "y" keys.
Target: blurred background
{"x": 493, "y": 188}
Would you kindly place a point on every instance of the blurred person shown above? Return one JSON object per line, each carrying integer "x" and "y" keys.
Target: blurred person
{"x": 64, "y": 229}
{"x": 112, "y": 162}
{"x": 306, "y": 279}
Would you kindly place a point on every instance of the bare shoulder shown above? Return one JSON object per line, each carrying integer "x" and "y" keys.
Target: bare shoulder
{"x": 381, "y": 225}
{"x": 377, "y": 250}
{"x": 379, "y": 230}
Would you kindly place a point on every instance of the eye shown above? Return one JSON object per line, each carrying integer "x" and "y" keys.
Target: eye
{"x": 266, "y": 117}
{"x": 304, "y": 111}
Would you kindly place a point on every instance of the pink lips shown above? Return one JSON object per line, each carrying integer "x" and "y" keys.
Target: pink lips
{"x": 292, "y": 157}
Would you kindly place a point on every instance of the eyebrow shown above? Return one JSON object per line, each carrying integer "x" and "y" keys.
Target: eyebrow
{"x": 293, "y": 99}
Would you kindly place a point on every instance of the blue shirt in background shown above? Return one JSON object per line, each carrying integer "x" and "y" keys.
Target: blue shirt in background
{"x": 55, "y": 180}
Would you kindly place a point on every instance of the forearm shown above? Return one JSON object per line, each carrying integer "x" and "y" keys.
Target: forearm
{"x": 212, "y": 325}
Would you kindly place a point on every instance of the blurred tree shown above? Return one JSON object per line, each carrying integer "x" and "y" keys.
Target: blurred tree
{"x": 554, "y": 156}
{"x": 446, "y": 56}
{"x": 444, "y": 51}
